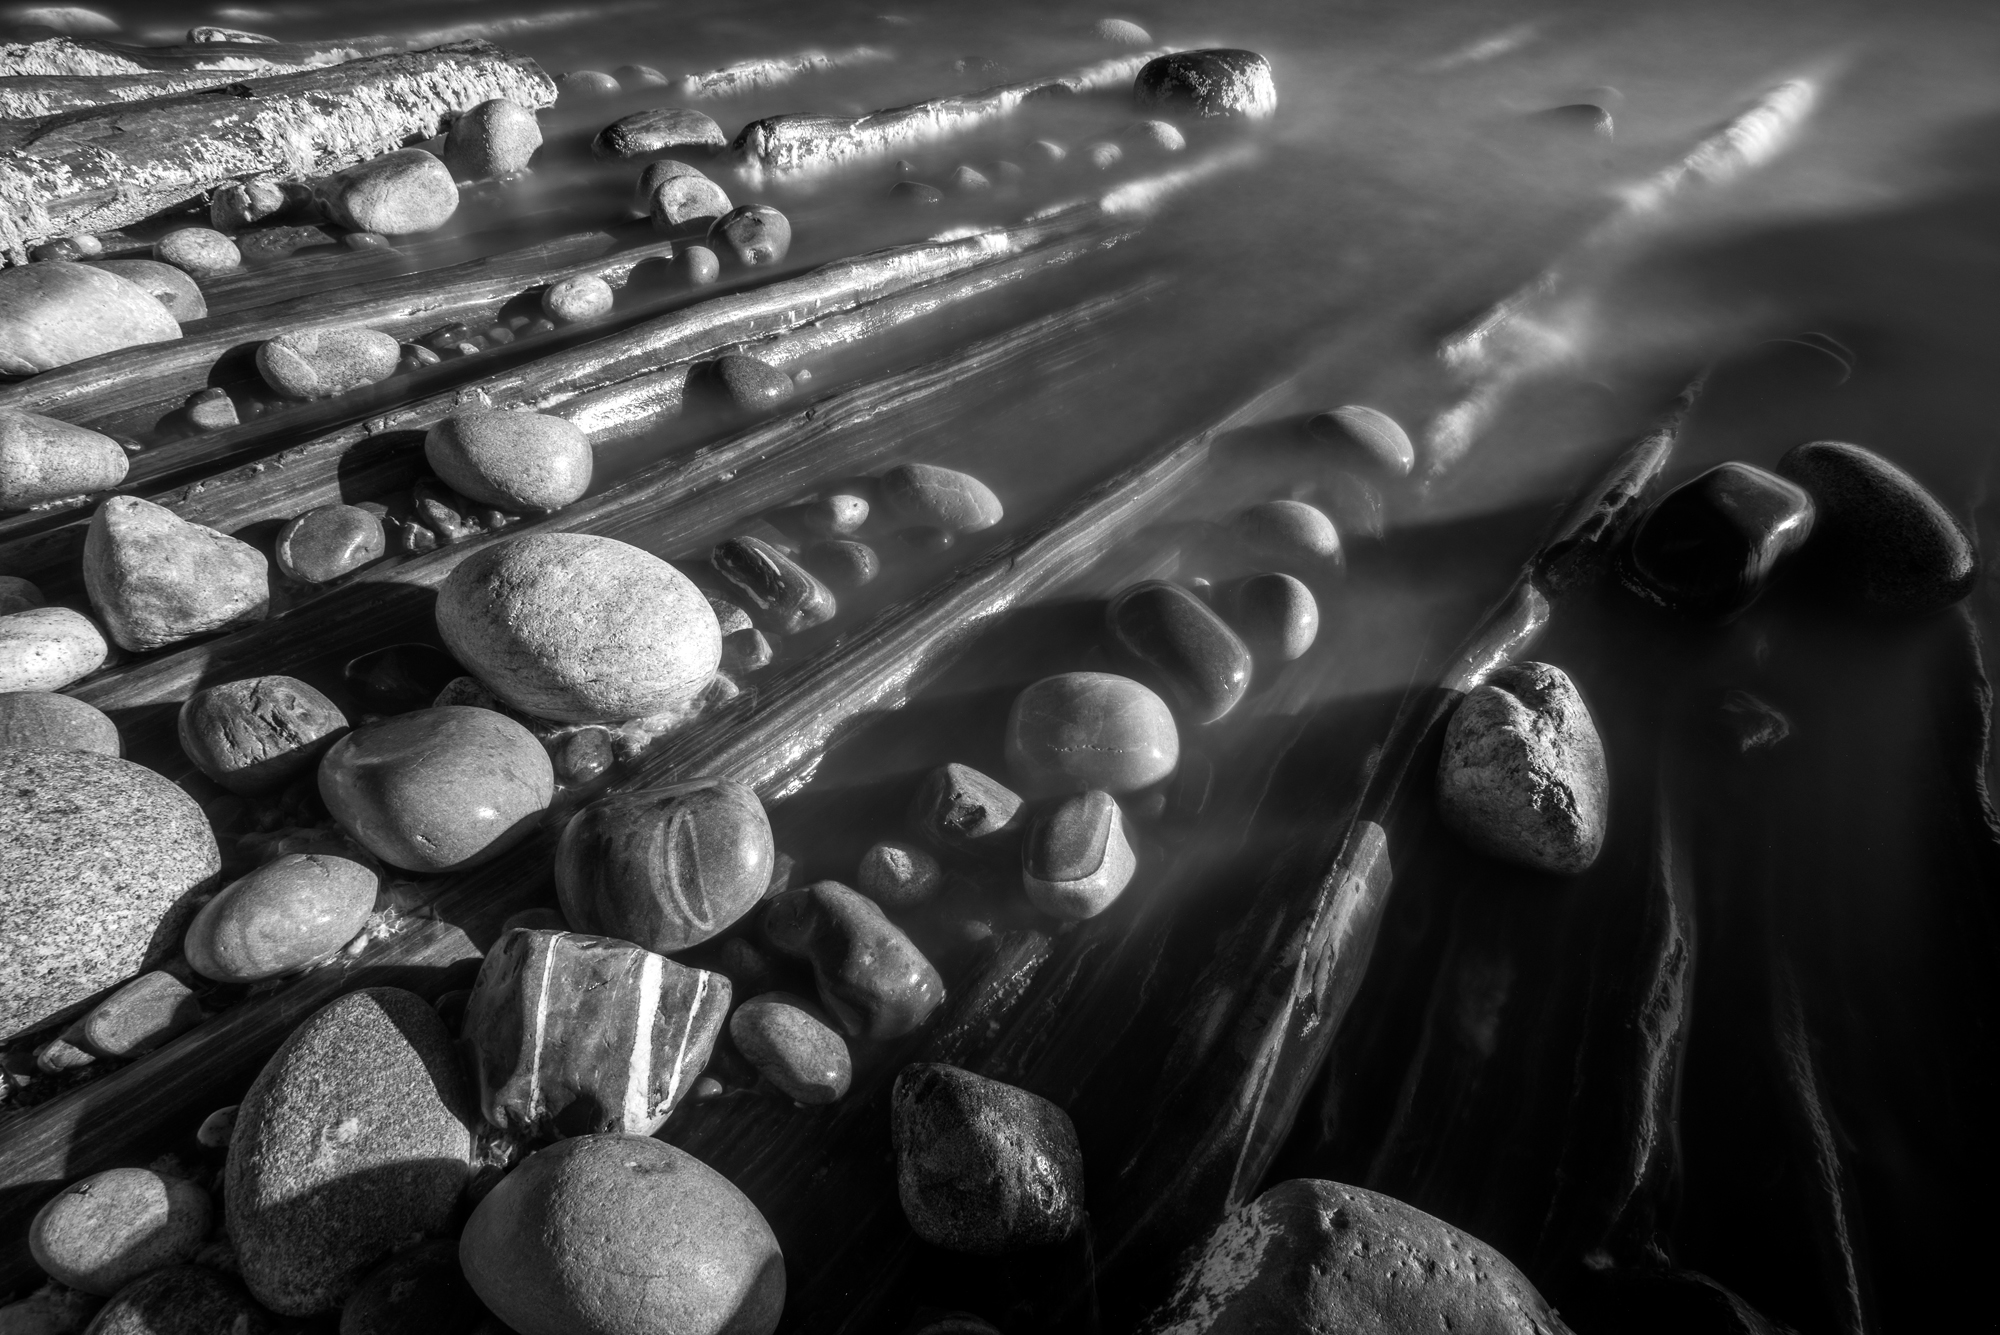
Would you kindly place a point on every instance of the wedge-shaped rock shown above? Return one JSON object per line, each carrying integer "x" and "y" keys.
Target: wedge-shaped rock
{"x": 1523, "y": 776}
{"x": 155, "y": 579}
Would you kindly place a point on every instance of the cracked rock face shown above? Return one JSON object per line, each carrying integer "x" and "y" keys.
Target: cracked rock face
{"x": 1523, "y": 777}
{"x": 256, "y": 735}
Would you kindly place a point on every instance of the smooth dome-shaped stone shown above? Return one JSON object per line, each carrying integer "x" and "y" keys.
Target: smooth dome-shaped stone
{"x": 1373, "y": 432}
{"x": 792, "y": 1047}
{"x": 420, "y": 1291}
{"x": 55, "y": 313}
{"x": 1293, "y": 535}
{"x": 1122, "y": 31}
{"x": 915, "y": 193}
{"x": 1276, "y": 615}
{"x": 871, "y": 977}
{"x": 668, "y": 867}
{"x": 495, "y": 138}
{"x": 960, "y": 810}
{"x": 512, "y": 460}
{"x": 899, "y": 876}
{"x": 657, "y": 174}
{"x": 1207, "y": 84}
{"x": 19, "y": 595}
{"x": 1076, "y": 858}
{"x": 1880, "y": 540}
{"x": 396, "y": 194}
{"x": 1202, "y": 661}
{"x": 623, "y": 1235}
{"x": 46, "y": 721}
{"x": 643, "y": 134}
{"x": 103, "y": 1232}
{"x": 182, "y": 1300}
{"x": 99, "y": 859}
{"x": 940, "y": 497}
{"x": 1523, "y": 776}
{"x": 585, "y": 86}
{"x": 156, "y": 579}
{"x": 982, "y": 1166}
{"x": 401, "y": 677}
{"x": 1708, "y": 546}
{"x": 325, "y": 363}
{"x": 580, "y": 629}
{"x": 686, "y": 201}
{"x": 201, "y": 251}
{"x": 1083, "y": 730}
{"x": 283, "y": 916}
{"x": 171, "y": 287}
{"x": 329, "y": 542}
{"x": 581, "y": 297}
{"x": 140, "y": 1016}
{"x": 784, "y": 593}
{"x": 1156, "y": 136}
{"x": 842, "y": 564}
{"x": 256, "y": 735}
{"x": 752, "y": 235}
{"x": 969, "y": 180}
{"x": 354, "y": 1138}
{"x": 1315, "y": 1255}
{"x": 749, "y": 384}
{"x": 48, "y": 648}
{"x": 438, "y": 789}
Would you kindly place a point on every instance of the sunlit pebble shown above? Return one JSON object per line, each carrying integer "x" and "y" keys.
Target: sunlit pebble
{"x": 639, "y": 76}
{"x": 1123, "y": 31}
{"x": 1157, "y": 135}
{"x": 1045, "y": 151}
{"x": 966, "y": 181}
{"x": 915, "y": 192}
{"x": 583, "y": 85}
{"x": 1105, "y": 155}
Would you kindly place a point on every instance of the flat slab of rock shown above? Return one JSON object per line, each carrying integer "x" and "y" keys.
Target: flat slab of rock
{"x": 98, "y": 860}
{"x": 156, "y": 579}
{"x": 1523, "y": 776}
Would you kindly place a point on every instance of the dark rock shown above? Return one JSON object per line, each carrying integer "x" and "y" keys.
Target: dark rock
{"x": 571, "y": 1035}
{"x": 399, "y": 678}
{"x": 782, "y": 591}
{"x": 19, "y": 595}
{"x": 582, "y": 297}
{"x": 1523, "y": 776}
{"x": 353, "y": 1138}
{"x": 182, "y": 1300}
{"x": 516, "y": 460}
{"x": 256, "y": 735}
{"x": 234, "y": 205}
{"x": 1207, "y": 84}
{"x": 583, "y": 755}
{"x": 1083, "y": 730}
{"x": 171, "y": 287}
{"x": 791, "y": 1046}
{"x": 1276, "y": 615}
{"x": 326, "y": 363}
{"x": 1076, "y": 858}
{"x": 899, "y": 876}
{"x": 982, "y": 1166}
{"x": 140, "y": 1016}
{"x": 1372, "y": 433}
{"x": 1296, "y": 537}
{"x": 201, "y": 251}
{"x": 960, "y": 810}
{"x": 101, "y": 1233}
{"x": 940, "y": 497}
{"x": 438, "y": 789}
{"x": 329, "y": 542}
{"x": 46, "y": 721}
{"x": 871, "y": 976}
{"x": 700, "y": 265}
{"x": 1880, "y": 540}
{"x": 1708, "y": 547}
{"x": 216, "y": 1128}
{"x": 285, "y": 915}
{"x": 99, "y": 859}
{"x": 1579, "y": 118}
{"x": 396, "y": 194}
{"x": 48, "y": 648}
{"x": 1202, "y": 661}
{"x": 915, "y": 192}
{"x": 155, "y": 579}
{"x": 52, "y": 314}
{"x": 843, "y": 564}
{"x": 1752, "y": 724}
{"x": 665, "y": 867}
{"x": 749, "y": 384}
{"x": 752, "y": 235}
{"x": 421, "y": 1291}
{"x": 645, "y": 134}
{"x": 747, "y": 651}
{"x": 495, "y": 138}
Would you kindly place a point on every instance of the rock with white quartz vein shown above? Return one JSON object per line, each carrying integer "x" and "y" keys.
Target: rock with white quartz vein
{"x": 572, "y": 1035}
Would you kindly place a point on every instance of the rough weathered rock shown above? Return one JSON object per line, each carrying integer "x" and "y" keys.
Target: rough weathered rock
{"x": 1709, "y": 546}
{"x": 1880, "y": 540}
{"x": 580, "y": 629}
{"x": 182, "y": 1300}
{"x": 201, "y": 251}
{"x": 101, "y": 1233}
{"x": 1320, "y": 1256}
{"x": 353, "y": 1138}
{"x": 752, "y": 235}
{"x": 582, "y": 297}
{"x": 1374, "y": 433}
{"x": 961, "y": 810}
{"x": 666, "y": 868}
{"x": 790, "y": 1045}
{"x": 46, "y": 721}
{"x": 1523, "y": 775}
{"x": 658, "y": 130}
{"x": 1207, "y": 84}
{"x": 784, "y": 593}
{"x": 940, "y": 497}
{"x": 326, "y": 363}
{"x": 897, "y": 875}
{"x": 397, "y": 194}
{"x": 256, "y": 735}
{"x": 438, "y": 789}
{"x": 156, "y": 579}
{"x": 982, "y": 1166}
{"x": 685, "y": 201}
{"x": 171, "y": 287}
{"x": 281, "y": 917}
{"x": 1204, "y": 664}
{"x": 1076, "y": 858}
{"x": 572, "y": 1035}
{"x": 619, "y": 1235}
{"x": 871, "y": 976}
{"x": 1298, "y": 538}
{"x": 495, "y": 138}
{"x": 240, "y": 203}
{"x": 47, "y": 648}
{"x": 98, "y": 861}
{"x": 148, "y": 1011}
{"x": 515, "y": 460}
{"x": 325, "y": 543}
{"x": 1083, "y": 730}
{"x": 1276, "y": 615}
{"x": 54, "y": 313}
{"x": 656, "y": 174}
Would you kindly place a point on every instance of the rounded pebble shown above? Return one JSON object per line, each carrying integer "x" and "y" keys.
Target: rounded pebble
{"x": 1204, "y": 664}
{"x": 1123, "y": 31}
{"x": 283, "y": 916}
{"x": 961, "y": 810}
{"x": 140, "y": 1016}
{"x": 899, "y": 876}
{"x": 1208, "y": 84}
{"x": 201, "y": 251}
{"x": 700, "y": 265}
{"x": 1084, "y": 730}
{"x": 915, "y": 192}
{"x": 256, "y": 735}
{"x": 1045, "y": 151}
{"x": 397, "y": 194}
{"x": 658, "y": 130}
{"x": 101, "y": 1233}
{"x": 170, "y": 286}
{"x": 237, "y": 204}
{"x": 1291, "y": 534}
{"x": 585, "y": 86}
{"x": 1376, "y": 434}
{"x": 752, "y": 235}
{"x": 657, "y": 174}
{"x": 683, "y": 203}
{"x": 1076, "y": 859}
{"x": 495, "y": 138}
{"x": 1276, "y": 615}
{"x": 512, "y": 459}
{"x": 43, "y": 459}
{"x": 48, "y": 648}
{"x": 574, "y": 300}
{"x": 181, "y": 1300}
{"x": 788, "y": 1043}
{"x": 55, "y": 313}
{"x": 751, "y": 385}
{"x": 944, "y": 498}
{"x": 969, "y": 180}
{"x": 329, "y": 542}
{"x": 1523, "y": 776}
{"x": 1156, "y": 136}
{"x": 18, "y": 595}
{"x": 324, "y": 363}
{"x": 46, "y": 721}
{"x": 1880, "y": 540}
{"x": 1103, "y": 155}
{"x": 871, "y": 976}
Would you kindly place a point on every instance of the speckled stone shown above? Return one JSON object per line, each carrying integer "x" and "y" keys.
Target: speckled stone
{"x": 871, "y": 976}
{"x": 1200, "y": 658}
{"x": 48, "y": 648}
{"x": 1297, "y": 538}
{"x": 945, "y": 498}
{"x": 842, "y": 564}
{"x": 645, "y": 134}
{"x": 969, "y": 180}
{"x": 399, "y": 678}
{"x": 1122, "y": 31}
{"x": 353, "y": 1138}
{"x": 1880, "y": 541}
{"x": 1313, "y": 1255}
{"x": 752, "y": 235}
{"x": 1076, "y": 859}
{"x": 326, "y": 363}
{"x": 1084, "y": 730}
{"x": 171, "y": 287}
{"x": 579, "y": 628}
{"x": 281, "y": 917}
{"x": 1276, "y": 615}
{"x": 156, "y": 579}
{"x": 46, "y": 721}
{"x": 578, "y": 298}
{"x": 783, "y": 593}
{"x": 1206, "y": 84}
{"x": 960, "y": 810}
{"x": 182, "y": 1300}
{"x": 421, "y": 1290}
{"x": 256, "y": 735}
{"x": 899, "y": 876}
{"x": 101, "y": 1233}
{"x": 328, "y": 542}
{"x": 792, "y": 1046}
{"x": 1370, "y": 432}
{"x": 668, "y": 867}
{"x": 55, "y": 313}
{"x": 981, "y": 1166}
{"x": 698, "y": 265}
{"x": 396, "y": 194}
{"x": 495, "y": 138}
{"x": 1523, "y": 776}
{"x": 438, "y": 789}
{"x": 140, "y": 1016}
{"x": 201, "y": 251}
{"x": 687, "y": 202}
{"x": 516, "y": 460}
{"x": 98, "y": 860}
{"x": 1708, "y": 547}
{"x": 749, "y": 384}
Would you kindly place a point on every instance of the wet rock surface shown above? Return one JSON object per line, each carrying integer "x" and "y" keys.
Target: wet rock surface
{"x": 783, "y": 593}
{"x": 688, "y": 201}
{"x": 1709, "y": 546}
{"x": 791, "y": 1045}
{"x": 495, "y": 138}
{"x": 326, "y": 363}
{"x": 644, "y": 134}
{"x": 578, "y": 298}
{"x": 156, "y": 579}
{"x": 1083, "y": 730}
{"x": 1523, "y": 776}
{"x": 256, "y": 735}
{"x": 285, "y": 915}
{"x": 1204, "y": 664}
{"x": 899, "y": 876}
{"x": 148, "y": 1011}
{"x": 1077, "y": 857}
{"x": 1296, "y": 537}
{"x": 1208, "y": 84}
{"x": 871, "y": 976}
{"x": 1880, "y": 540}
{"x": 940, "y": 497}
{"x": 48, "y": 648}
{"x": 101, "y": 1233}
{"x": 55, "y": 313}
{"x": 46, "y": 721}
{"x": 330, "y": 541}
{"x": 171, "y": 287}
{"x": 514, "y": 460}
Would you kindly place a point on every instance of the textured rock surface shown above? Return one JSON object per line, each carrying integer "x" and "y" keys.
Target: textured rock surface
{"x": 657, "y": 174}
{"x": 751, "y": 235}
{"x": 1709, "y": 546}
{"x": 281, "y": 917}
{"x": 961, "y": 810}
{"x": 1077, "y": 859}
{"x": 1320, "y": 1256}
{"x": 328, "y": 542}
{"x": 42, "y": 459}
{"x": 182, "y": 1300}
{"x": 622, "y": 1235}
{"x": 256, "y": 735}
{"x": 571, "y": 1035}
{"x": 1204, "y": 664}
{"x": 495, "y": 138}
{"x": 46, "y": 721}
{"x": 326, "y": 363}
{"x": 1880, "y": 540}
{"x": 580, "y": 629}
{"x": 201, "y": 251}
{"x": 790, "y": 1044}
{"x": 644, "y": 134}
{"x": 982, "y": 1166}
{"x": 171, "y": 287}
{"x": 396, "y": 194}
{"x": 54, "y": 313}
{"x": 581, "y": 297}
{"x": 101, "y": 1233}
{"x": 687, "y": 200}
{"x": 353, "y": 1138}
{"x": 749, "y": 384}
{"x": 897, "y": 875}
{"x": 155, "y": 579}
{"x": 940, "y": 497}
{"x": 1207, "y": 84}
{"x": 98, "y": 857}
{"x": 871, "y": 977}
{"x": 513, "y": 460}
{"x": 1523, "y": 774}
{"x": 238, "y": 204}
{"x": 47, "y": 648}
{"x": 1084, "y": 730}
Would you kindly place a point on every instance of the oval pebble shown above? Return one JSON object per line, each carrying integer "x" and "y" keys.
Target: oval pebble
{"x": 56, "y": 312}
{"x": 397, "y": 194}
{"x": 1122, "y": 31}
{"x": 256, "y": 735}
{"x": 843, "y": 564}
{"x": 585, "y": 86}
{"x": 140, "y": 1016}
{"x": 789, "y": 1044}
{"x": 749, "y": 384}
{"x": 201, "y": 251}
{"x": 47, "y": 721}
{"x": 170, "y": 286}
{"x": 899, "y": 876}
{"x": 752, "y": 235}
{"x": 576, "y": 299}
{"x": 656, "y": 174}
{"x": 1207, "y": 84}
{"x": 155, "y": 579}
{"x": 1374, "y": 433}
{"x": 1277, "y": 616}
{"x": 1204, "y": 664}
{"x": 981, "y": 1166}
{"x": 48, "y": 648}
{"x": 1291, "y": 534}
{"x": 1083, "y": 730}
{"x": 1156, "y": 136}
{"x": 945, "y": 498}
{"x": 658, "y": 130}
{"x": 325, "y": 363}
{"x": 699, "y": 265}
{"x": 782, "y": 591}
{"x": 1880, "y": 540}
{"x": 515, "y": 460}
{"x": 101, "y": 1233}
{"x": 496, "y": 138}
{"x": 283, "y": 916}
{"x": 687, "y": 202}
{"x": 329, "y": 542}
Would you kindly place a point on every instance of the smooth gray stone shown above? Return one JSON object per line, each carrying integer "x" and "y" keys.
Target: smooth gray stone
{"x": 106, "y": 1230}
{"x": 515, "y": 460}
{"x": 140, "y": 1016}
{"x": 751, "y": 385}
{"x": 644, "y": 134}
{"x": 172, "y": 287}
{"x": 1523, "y": 776}
{"x": 783, "y": 592}
{"x": 54, "y": 313}
{"x": 842, "y": 563}
{"x": 354, "y": 1137}
{"x": 182, "y": 1300}
{"x": 585, "y": 86}
{"x": 793, "y": 1047}
{"x": 201, "y": 251}
{"x": 699, "y": 265}
{"x": 1277, "y": 616}
{"x": 326, "y": 363}
{"x": 1296, "y": 537}
{"x": 1207, "y": 84}
{"x": 657, "y": 174}
{"x": 1083, "y": 730}
{"x": 495, "y": 138}
{"x": 1202, "y": 662}
{"x": 19, "y": 595}
{"x": 1709, "y": 546}
{"x": 48, "y": 648}
{"x": 871, "y": 976}
{"x": 47, "y": 721}
{"x": 99, "y": 862}
{"x": 256, "y": 735}
{"x": 396, "y": 194}
{"x": 752, "y": 235}
{"x": 981, "y": 1166}
{"x": 578, "y": 298}
{"x": 1122, "y": 31}
{"x": 156, "y": 579}
{"x": 685, "y": 201}
{"x": 1373, "y": 432}
{"x": 286, "y": 914}
{"x": 1076, "y": 859}
{"x": 328, "y": 542}
{"x": 941, "y": 498}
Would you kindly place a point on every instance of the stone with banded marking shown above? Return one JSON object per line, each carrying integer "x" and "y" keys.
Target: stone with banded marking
{"x": 574, "y": 1035}
{"x": 784, "y": 593}
{"x": 1077, "y": 858}
{"x": 870, "y": 975}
